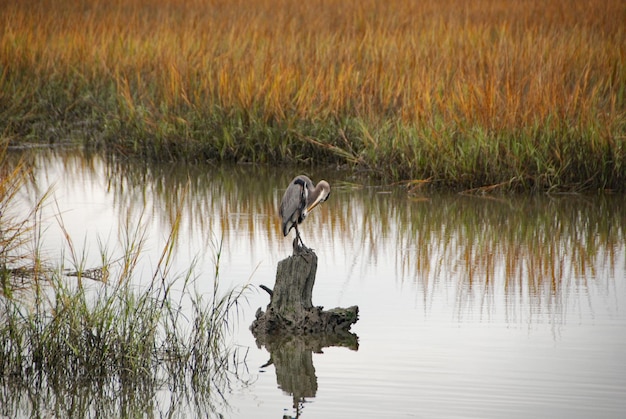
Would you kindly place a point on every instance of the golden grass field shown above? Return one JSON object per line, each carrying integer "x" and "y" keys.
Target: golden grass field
{"x": 465, "y": 93}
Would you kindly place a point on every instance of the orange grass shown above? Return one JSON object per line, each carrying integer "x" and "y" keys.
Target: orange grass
{"x": 426, "y": 86}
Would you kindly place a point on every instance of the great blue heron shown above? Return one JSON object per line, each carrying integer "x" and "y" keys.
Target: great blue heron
{"x": 299, "y": 199}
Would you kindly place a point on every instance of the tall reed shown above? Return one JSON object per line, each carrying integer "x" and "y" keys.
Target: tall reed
{"x": 72, "y": 346}
{"x": 464, "y": 93}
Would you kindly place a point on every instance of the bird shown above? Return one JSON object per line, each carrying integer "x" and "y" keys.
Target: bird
{"x": 299, "y": 199}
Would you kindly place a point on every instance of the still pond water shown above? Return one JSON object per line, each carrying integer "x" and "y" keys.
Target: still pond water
{"x": 469, "y": 306}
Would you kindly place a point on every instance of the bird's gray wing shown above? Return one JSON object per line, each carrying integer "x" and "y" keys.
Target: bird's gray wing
{"x": 292, "y": 205}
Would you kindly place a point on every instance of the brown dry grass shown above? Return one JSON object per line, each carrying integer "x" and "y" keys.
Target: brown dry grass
{"x": 460, "y": 73}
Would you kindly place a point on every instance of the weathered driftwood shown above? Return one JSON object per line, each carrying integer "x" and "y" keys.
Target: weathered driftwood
{"x": 291, "y": 308}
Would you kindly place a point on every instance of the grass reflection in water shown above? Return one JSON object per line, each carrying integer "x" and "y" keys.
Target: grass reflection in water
{"x": 521, "y": 252}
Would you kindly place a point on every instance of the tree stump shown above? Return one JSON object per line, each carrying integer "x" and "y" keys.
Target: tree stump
{"x": 291, "y": 308}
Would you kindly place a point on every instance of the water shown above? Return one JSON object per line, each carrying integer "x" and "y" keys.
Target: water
{"x": 469, "y": 306}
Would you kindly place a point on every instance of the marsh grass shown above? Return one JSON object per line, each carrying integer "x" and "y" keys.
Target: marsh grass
{"x": 71, "y": 346}
{"x": 529, "y": 94}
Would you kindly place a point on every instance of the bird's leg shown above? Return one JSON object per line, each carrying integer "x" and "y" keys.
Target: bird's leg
{"x": 298, "y": 247}
{"x": 296, "y": 240}
{"x": 301, "y": 242}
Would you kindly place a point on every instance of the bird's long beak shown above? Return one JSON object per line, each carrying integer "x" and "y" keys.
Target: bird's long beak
{"x": 314, "y": 204}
